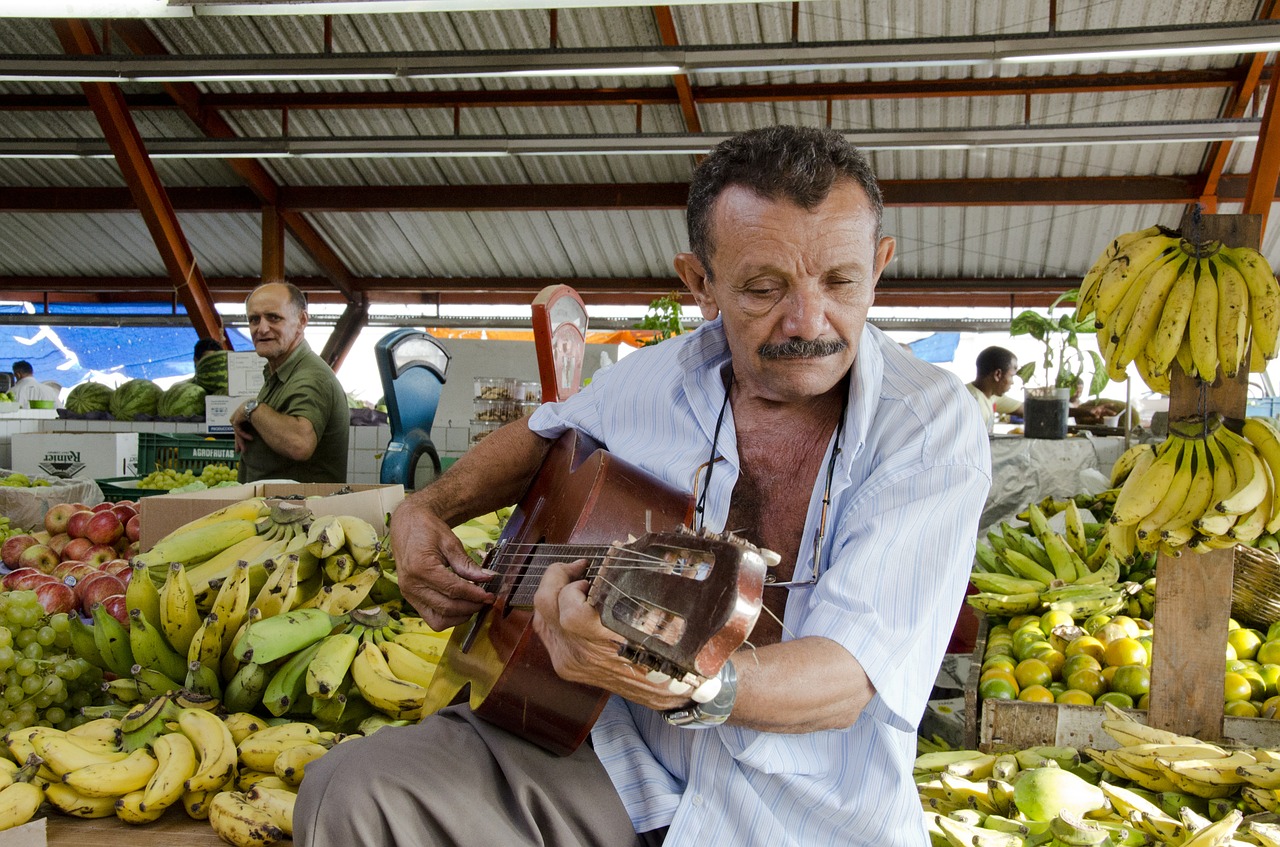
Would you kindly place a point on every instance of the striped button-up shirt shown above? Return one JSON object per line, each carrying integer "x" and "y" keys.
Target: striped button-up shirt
{"x": 908, "y": 490}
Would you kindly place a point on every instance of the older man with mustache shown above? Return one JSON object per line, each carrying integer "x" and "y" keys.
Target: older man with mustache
{"x": 809, "y": 433}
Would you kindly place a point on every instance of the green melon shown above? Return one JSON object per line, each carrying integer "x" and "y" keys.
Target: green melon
{"x": 89, "y": 397}
{"x": 211, "y": 373}
{"x": 183, "y": 400}
{"x": 135, "y": 397}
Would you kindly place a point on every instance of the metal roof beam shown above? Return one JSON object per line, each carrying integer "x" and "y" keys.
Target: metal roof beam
{"x": 145, "y": 187}
{"x": 295, "y": 200}
{"x": 1224, "y": 78}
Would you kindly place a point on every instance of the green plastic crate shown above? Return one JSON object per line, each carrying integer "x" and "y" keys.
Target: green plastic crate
{"x": 117, "y": 488}
{"x": 157, "y": 451}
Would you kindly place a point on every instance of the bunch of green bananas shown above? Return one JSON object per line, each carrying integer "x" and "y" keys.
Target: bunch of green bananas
{"x": 1205, "y": 487}
{"x": 1159, "y": 298}
{"x": 1023, "y": 570}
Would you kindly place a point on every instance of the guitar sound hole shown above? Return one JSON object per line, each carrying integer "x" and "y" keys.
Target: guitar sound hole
{"x": 661, "y": 624}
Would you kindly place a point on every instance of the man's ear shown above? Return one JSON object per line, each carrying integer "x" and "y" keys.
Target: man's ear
{"x": 695, "y": 277}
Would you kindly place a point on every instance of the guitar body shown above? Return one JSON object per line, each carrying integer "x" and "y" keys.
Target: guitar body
{"x": 582, "y": 495}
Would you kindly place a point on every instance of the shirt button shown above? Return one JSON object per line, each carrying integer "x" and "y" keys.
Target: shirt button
{"x": 697, "y": 799}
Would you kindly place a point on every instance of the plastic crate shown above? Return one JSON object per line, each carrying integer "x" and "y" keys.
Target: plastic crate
{"x": 117, "y": 488}
{"x": 157, "y": 451}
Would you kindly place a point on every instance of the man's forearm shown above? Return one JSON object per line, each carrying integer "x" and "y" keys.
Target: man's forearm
{"x": 494, "y": 473}
{"x": 289, "y": 436}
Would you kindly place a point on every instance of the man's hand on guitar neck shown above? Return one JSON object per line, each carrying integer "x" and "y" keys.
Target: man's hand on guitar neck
{"x": 582, "y": 649}
{"x": 436, "y": 575}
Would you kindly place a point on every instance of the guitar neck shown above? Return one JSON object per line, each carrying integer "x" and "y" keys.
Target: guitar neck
{"x": 522, "y": 568}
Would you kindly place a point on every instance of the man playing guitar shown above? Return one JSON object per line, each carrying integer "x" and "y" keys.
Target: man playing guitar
{"x": 803, "y": 430}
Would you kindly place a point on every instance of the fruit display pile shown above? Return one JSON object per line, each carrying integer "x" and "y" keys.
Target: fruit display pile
{"x": 1162, "y": 300}
{"x": 170, "y": 479}
{"x": 1154, "y": 787}
{"x": 21, "y": 480}
{"x": 248, "y": 642}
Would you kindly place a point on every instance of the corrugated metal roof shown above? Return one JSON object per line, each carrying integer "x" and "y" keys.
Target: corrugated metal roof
{"x": 1035, "y": 240}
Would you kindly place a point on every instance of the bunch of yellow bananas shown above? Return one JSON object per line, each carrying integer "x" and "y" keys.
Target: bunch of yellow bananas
{"x": 1159, "y": 298}
{"x": 1204, "y": 487}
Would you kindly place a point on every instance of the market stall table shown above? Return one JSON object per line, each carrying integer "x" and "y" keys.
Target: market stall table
{"x": 172, "y": 828}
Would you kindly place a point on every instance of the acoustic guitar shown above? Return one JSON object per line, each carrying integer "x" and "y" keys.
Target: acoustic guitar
{"x": 682, "y": 601}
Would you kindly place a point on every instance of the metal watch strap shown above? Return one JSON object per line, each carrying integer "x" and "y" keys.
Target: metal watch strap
{"x": 250, "y": 408}
{"x": 712, "y": 713}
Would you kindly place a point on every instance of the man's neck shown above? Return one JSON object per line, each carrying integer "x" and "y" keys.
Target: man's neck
{"x": 275, "y": 364}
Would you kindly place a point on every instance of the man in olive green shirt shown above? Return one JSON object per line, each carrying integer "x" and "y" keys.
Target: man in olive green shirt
{"x": 296, "y": 428}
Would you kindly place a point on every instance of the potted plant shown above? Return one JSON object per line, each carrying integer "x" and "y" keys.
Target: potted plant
{"x": 1061, "y": 367}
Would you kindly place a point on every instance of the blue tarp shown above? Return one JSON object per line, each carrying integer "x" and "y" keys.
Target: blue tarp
{"x": 939, "y": 347}
{"x": 70, "y": 354}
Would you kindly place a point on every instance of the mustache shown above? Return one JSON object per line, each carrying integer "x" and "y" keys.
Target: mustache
{"x": 799, "y": 348}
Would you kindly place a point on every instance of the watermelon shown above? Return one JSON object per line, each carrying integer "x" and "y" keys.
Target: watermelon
{"x": 183, "y": 400}
{"x": 89, "y": 397}
{"x": 135, "y": 397}
{"x": 211, "y": 373}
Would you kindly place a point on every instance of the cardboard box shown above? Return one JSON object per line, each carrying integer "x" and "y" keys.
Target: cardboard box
{"x": 162, "y": 514}
{"x": 244, "y": 373}
{"x": 218, "y": 409}
{"x": 76, "y": 455}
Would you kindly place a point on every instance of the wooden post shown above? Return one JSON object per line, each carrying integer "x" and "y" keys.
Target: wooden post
{"x": 1193, "y": 591}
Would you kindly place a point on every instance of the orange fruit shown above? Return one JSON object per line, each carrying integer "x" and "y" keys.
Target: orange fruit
{"x": 1092, "y": 623}
{"x": 1134, "y": 680}
{"x": 1115, "y": 698}
{"x": 1003, "y": 662}
{"x": 1245, "y": 641}
{"x": 1144, "y": 702}
{"x": 1269, "y": 651}
{"x": 1109, "y": 632}
{"x": 1017, "y": 622}
{"x": 1054, "y": 618}
{"x": 1107, "y": 673}
{"x": 1241, "y": 709}
{"x": 1035, "y": 694}
{"x": 1270, "y": 677}
{"x": 1089, "y": 681}
{"x": 1124, "y": 651}
{"x": 1032, "y": 672}
{"x": 1075, "y": 697}
{"x": 1236, "y": 687}
{"x": 1256, "y": 683}
{"x": 1055, "y": 660}
{"x": 997, "y": 688}
{"x": 1129, "y": 625}
{"x": 999, "y": 673}
{"x": 1071, "y": 664}
{"x": 1088, "y": 645}
{"x": 1272, "y": 706}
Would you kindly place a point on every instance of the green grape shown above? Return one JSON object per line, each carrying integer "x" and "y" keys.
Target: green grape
{"x": 46, "y": 635}
{"x": 13, "y": 694}
{"x": 33, "y": 651}
{"x": 32, "y": 684}
{"x": 61, "y": 622}
{"x": 7, "y": 658}
{"x": 55, "y": 715}
{"x": 25, "y": 637}
{"x": 25, "y": 666}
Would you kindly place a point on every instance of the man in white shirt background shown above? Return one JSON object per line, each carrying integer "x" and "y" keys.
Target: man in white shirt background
{"x": 27, "y": 387}
{"x": 997, "y": 369}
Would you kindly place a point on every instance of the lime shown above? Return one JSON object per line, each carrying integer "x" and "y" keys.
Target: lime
{"x": 1088, "y": 645}
{"x": 1032, "y": 672}
{"x": 1035, "y": 694}
{"x": 1091, "y": 682}
{"x": 1245, "y": 641}
{"x": 1124, "y": 651}
{"x": 1075, "y": 697}
{"x": 997, "y": 688}
{"x": 1115, "y": 698}
{"x": 1054, "y": 618}
{"x": 1269, "y": 650}
{"x": 1241, "y": 709}
{"x": 1134, "y": 680}
{"x": 1236, "y": 687}
{"x": 1270, "y": 677}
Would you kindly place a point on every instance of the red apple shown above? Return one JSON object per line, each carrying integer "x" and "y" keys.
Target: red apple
{"x": 98, "y": 554}
{"x": 55, "y": 520}
{"x": 117, "y": 608}
{"x": 58, "y": 542}
{"x": 121, "y": 568}
{"x": 56, "y": 597}
{"x": 133, "y": 528}
{"x": 24, "y": 578}
{"x": 76, "y": 570}
{"x": 104, "y": 506}
{"x": 75, "y": 549}
{"x": 38, "y": 556}
{"x": 104, "y": 528}
{"x": 13, "y": 547}
{"x": 123, "y": 511}
{"x": 77, "y": 522}
{"x": 97, "y": 587}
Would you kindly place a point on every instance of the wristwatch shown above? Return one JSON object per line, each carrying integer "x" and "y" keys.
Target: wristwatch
{"x": 714, "y": 711}
{"x": 249, "y": 409}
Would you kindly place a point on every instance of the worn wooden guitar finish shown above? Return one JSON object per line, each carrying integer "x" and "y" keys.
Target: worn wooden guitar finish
{"x": 682, "y": 601}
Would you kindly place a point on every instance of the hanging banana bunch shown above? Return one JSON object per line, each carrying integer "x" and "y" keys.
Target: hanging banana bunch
{"x": 1159, "y": 298}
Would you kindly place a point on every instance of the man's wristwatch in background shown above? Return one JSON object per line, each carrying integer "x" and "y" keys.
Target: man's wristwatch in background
{"x": 713, "y": 712}
{"x": 249, "y": 408}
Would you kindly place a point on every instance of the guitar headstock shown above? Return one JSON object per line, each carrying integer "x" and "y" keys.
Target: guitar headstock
{"x": 683, "y": 601}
